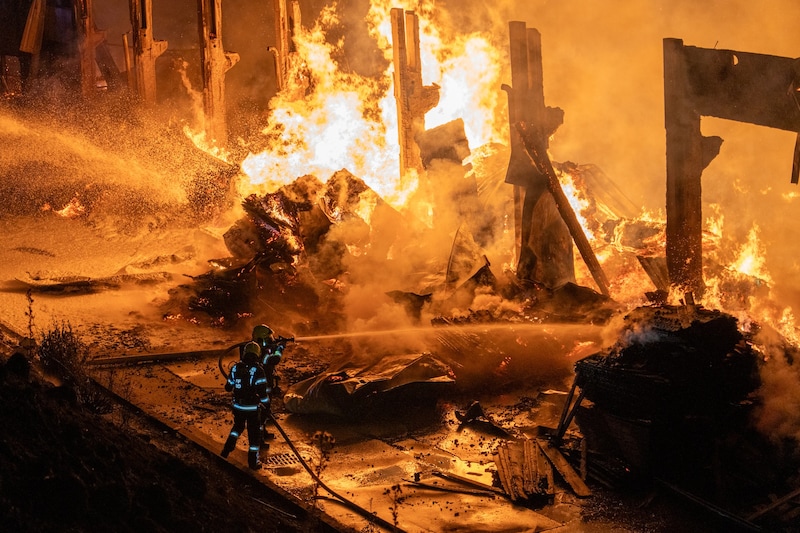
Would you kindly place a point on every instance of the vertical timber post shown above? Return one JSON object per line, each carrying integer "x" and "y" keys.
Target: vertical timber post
{"x": 287, "y": 20}
{"x": 684, "y": 170}
{"x": 145, "y": 49}
{"x": 88, "y": 39}
{"x": 413, "y": 99}
{"x": 215, "y": 63}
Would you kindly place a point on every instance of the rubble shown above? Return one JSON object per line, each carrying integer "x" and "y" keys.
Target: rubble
{"x": 356, "y": 389}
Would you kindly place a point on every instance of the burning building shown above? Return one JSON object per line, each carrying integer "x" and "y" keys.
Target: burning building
{"x": 380, "y": 176}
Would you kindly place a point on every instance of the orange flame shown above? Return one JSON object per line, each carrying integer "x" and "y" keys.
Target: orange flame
{"x": 72, "y": 210}
{"x": 329, "y": 119}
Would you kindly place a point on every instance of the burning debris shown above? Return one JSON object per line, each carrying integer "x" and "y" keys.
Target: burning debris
{"x": 672, "y": 363}
{"x": 318, "y": 239}
{"x": 675, "y": 399}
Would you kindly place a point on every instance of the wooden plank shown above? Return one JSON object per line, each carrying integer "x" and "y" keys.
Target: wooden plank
{"x": 773, "y": 505}
{"x": 565, "y": 469}
{"x": 529, "y": 467}
{"x": 501, "y": 461}
{"x": 508, "y": 478}
{"x": 516, "y": 456}
{"x": 544, "y": 481}
{"x": 466, "y": 481}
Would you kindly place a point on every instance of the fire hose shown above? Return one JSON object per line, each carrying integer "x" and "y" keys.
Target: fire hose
{"x": 336, "y": 496}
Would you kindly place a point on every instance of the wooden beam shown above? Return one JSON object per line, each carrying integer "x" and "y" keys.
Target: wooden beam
{"x": 287, "y": 23}
{"x": 777, "y": 503}
{"x": 146, "y": 50}
{"x": 565, "y": 469}
{"x": 537, "y": 257}
{"x": 412, "y": 98}
{"x": 541, "y": 160}
{"x": 215, "y": 62}
{"x": 754, "y": 88}
{"x": 88, "y": 40}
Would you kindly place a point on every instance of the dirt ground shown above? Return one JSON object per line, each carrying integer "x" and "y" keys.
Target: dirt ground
{"x": 67, "y": 467}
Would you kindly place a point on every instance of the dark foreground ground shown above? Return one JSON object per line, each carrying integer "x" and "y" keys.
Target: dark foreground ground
{"x": 66, "y": 468}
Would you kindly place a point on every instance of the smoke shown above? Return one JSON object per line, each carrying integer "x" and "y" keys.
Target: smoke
{"x": 778, "y": 413}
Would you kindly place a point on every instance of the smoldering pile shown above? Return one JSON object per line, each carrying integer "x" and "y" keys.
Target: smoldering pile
{"x": 300, "y": 251}
{"x": 672, "y": 361}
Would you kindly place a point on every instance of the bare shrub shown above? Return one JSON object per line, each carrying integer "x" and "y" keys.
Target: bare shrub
{"x": 63, "y": 354}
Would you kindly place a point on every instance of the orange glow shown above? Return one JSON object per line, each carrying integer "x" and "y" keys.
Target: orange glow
{"x": 751, "y": 258}
{"x": 72, "y": 210}
{"x": 327, "y": 119}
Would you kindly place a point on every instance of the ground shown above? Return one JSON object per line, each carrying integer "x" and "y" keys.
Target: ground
{"x": 66, "y": 468}
{"x": 68, "y": 457}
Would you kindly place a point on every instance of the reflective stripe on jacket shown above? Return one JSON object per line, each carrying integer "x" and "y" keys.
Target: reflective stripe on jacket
{"x": 249, "y": 385}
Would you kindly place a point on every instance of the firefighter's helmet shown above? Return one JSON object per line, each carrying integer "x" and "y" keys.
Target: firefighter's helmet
{"x": 262, "y": 334}
{"x": 251, "y": 352}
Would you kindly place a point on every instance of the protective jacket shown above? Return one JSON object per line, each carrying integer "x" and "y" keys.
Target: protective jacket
{"x": 271, "y": 354}
{"x": 248, "y": 381}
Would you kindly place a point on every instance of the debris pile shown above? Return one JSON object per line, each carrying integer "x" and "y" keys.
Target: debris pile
{"x": 672, "y": 361}
{"x": 357, "y": 389}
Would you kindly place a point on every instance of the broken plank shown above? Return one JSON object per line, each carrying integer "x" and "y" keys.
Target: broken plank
{"x": 561, "y": 464}
{"x": 501, "y": 460}
{"x": 505, "y": 470}
{"x": 773, "y": 505}
{"x": 466, "y": 481}
{"x": 544, "y": 480}
{"x": 529, "y": 467}
{"x": 517, "y": 460}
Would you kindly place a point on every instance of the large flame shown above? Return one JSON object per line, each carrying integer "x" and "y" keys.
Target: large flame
{"x": 327, "y": 119}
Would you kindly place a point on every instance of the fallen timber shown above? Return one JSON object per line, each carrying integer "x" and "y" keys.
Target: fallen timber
{"x": 542, "y": 162}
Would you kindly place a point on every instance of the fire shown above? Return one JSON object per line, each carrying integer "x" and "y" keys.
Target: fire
{"x": 740, "y": 283}
{"x": 73, "y": 209}
{"x": 579, "y": 203}
{"x": 328, "y": 118}
{"x": 197, "y": 132}
{"x": 751, "y": 258}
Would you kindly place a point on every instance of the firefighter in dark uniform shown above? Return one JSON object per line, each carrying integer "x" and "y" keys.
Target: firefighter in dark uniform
{"x": 271, "y": 354}
{"x": 248, "y": 382}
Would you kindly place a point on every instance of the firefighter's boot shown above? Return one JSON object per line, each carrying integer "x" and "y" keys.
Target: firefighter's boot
{"x": 252, "y": 458}
{"x": 230, "y": 444}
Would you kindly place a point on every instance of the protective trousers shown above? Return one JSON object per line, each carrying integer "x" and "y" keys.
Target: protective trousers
{"x": 252, "y": 420}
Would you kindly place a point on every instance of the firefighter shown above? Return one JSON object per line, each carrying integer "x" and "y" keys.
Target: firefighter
{"x": 271, "y": 353}
{"x": 248, "y": 382}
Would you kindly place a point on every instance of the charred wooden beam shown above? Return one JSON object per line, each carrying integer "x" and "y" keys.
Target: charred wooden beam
{"x": 287, "y": 22}
{"x": 537, "y": 230}
{"x": 565, "y": 469}
{"x": 754, "y": 88}
{"x": 215, "y": 62}
{"x": 34, "y": 31}
{"x": 145, "y": 49}
{"x": 523, "y": 470}
{"x": 413, "y": 99}
{"x": 540, "y": 159}
{"x": 88, "y": 40}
